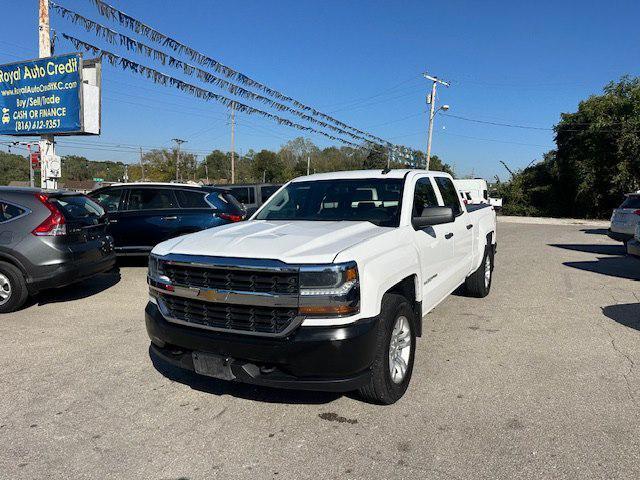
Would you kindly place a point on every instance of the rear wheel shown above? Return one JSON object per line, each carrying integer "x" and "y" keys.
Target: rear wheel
{"x": 13, "y": 288}
{"x": 393, "y": 364}
{"x": 478, "y": 284}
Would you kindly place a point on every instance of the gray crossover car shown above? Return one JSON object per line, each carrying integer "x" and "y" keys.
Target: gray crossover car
{"x": 49, "y": 239}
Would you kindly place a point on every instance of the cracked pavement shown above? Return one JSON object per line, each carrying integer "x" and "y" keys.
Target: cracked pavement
{"x": 538, "y": 380}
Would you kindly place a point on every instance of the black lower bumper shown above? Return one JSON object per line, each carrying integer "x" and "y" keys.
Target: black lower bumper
{"x": 71, "y": 272}
{"x": 619, "y": 237}
{"x": 310, "y": 358}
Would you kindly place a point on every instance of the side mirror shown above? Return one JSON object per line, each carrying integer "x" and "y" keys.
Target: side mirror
{"x": 433, "y": 216}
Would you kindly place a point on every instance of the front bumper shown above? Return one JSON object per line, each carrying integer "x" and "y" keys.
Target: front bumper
{"x": 310, "y": 358}
{"x": 633, "y": 247}
{"x": 618, "y": 236}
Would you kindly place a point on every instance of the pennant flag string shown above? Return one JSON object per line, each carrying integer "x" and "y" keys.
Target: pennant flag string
{"x": 167, "y": 80}
{"x": 141, "y": 28}
{"x": 131, "y": 44}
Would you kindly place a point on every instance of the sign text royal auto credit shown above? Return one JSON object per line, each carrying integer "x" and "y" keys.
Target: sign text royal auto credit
{"x": 41, "y": 96}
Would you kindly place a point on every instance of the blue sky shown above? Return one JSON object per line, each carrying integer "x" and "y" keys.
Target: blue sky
{"x": 515, "y": 62}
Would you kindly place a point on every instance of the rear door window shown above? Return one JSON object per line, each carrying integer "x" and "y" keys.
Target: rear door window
{"x": 449, "y": 194}
{"x": 109, "y": 199}
{"x": 9, "y": 211}
{"x": 192, "y": 199}
{"x": 632, "y": 201}
{"x": 79, "y": 208}
{"x": 151, "y": 199}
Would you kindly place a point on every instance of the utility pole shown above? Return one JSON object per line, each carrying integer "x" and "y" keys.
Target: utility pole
{"x": 233, "y": 153}
{"x": 47, "y": 145}
{"x": 206, "y": 170}
{"x": 432, "y": 111}
{"x": 178, "y": 143}
{"x": 308, "y": 163}
{"x": 141, "y": 164}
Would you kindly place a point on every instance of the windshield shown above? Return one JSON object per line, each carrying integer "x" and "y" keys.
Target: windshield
{"x": 368, "y": 200}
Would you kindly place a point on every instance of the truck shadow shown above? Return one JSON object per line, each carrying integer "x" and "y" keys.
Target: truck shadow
{"x": 86, "y": 288}
{"x": 239, "y": 390}
{"x": 627, "y": 314}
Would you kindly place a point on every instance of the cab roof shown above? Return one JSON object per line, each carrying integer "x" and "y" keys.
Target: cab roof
{"x": 356, "y": 174}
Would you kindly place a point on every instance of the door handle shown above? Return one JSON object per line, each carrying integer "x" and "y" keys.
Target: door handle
{"x": 170, "y": 218}
{"x": 113, "y": 221}
{"x": 448, "y": 235}
{"x": 469, "y": 227}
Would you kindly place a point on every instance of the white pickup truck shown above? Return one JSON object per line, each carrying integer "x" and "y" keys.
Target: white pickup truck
{"x": 325, "y": 287}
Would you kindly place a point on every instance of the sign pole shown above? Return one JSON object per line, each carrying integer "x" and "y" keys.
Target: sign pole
{"x": 31, "y": 179}
{"x": 47, "y": 145}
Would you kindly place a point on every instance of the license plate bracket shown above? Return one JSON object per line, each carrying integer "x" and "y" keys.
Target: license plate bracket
{"x": 214, "y": 366}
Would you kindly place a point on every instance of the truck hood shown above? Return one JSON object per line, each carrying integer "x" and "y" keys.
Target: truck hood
{"x": 290, "y": 242}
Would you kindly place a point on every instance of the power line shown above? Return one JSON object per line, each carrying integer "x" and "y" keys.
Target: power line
{"x": 528, "y": 127}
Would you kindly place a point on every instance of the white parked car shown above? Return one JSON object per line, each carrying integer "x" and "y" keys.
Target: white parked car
{"x": 633, "y": 245}
{"x": 325, "y": 287}
{"x": 625, "y": 218}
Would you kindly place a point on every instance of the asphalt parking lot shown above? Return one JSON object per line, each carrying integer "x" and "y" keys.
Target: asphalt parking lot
{"x": 539, "y": 380}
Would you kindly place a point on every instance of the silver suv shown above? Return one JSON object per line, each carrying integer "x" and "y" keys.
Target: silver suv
{"x": 625, "y": 218}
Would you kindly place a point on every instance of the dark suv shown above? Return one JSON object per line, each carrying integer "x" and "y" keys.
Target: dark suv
{"x": 142, "y": 215}
{"x": 49, "y": 239}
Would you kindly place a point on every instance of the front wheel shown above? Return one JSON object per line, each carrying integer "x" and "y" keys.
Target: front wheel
{"x": 396, "y": 345}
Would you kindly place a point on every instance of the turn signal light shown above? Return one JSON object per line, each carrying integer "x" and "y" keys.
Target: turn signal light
{"x": 329, "y": 310}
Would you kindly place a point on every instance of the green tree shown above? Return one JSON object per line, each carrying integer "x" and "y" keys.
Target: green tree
{"x": 13, "y": 167}
{"x": 267, "y": 166}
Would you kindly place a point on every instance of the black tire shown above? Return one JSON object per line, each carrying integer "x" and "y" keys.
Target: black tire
{"x": 476, "y": 284}
{"x": 18, "y": 288}
{"x": 381, "y": 388}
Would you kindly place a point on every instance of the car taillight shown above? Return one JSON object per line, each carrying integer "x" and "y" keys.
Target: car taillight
{"x": 637, "y": 212}
{"x": 231, "y": 217}
{"x": 54, "y": 224}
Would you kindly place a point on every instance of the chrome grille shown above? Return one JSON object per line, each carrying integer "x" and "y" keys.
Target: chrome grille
{"x": 232, "y": 279}
{"x": 223, "y": 316}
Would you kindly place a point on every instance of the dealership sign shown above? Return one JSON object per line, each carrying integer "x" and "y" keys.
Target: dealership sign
{"x": 42, "y": 96}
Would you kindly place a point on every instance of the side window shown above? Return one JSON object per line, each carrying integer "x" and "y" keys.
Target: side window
{"x": 9, "y": 211}
{"x": 244, "y": 195}
{"x": 151, "y": 199}
{"x": 191, "y": 199}
{"x": 424, "y": 196}
{"x": 109, "y": 199}
{"x": 267, "y": 191}
{"x": 449, "y": 195}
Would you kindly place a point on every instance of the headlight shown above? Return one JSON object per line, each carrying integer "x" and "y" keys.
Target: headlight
{"x": 153, "y": 267}
{"x": 329, "y": 290}
{"x": 156, "y": 277}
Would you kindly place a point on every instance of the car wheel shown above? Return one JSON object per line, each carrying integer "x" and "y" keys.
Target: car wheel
{"x": 478, "y": 284}
{"x": 395, "y": 351}
{"x": 13, "y": 288}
